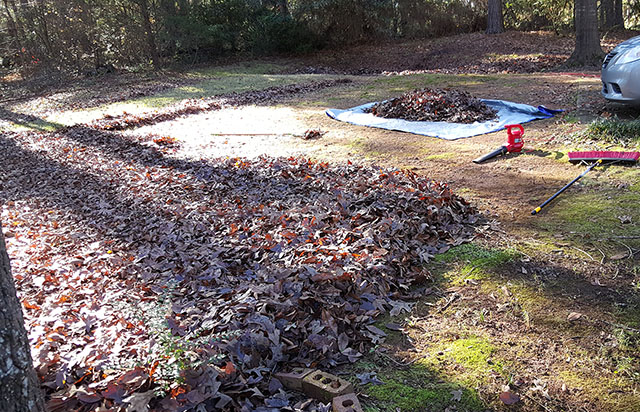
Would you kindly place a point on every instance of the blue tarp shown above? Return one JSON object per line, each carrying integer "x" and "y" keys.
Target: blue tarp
{"x": 508, "y": 113}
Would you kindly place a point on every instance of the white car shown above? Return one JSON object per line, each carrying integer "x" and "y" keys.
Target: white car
{"x": 621, "y": 73}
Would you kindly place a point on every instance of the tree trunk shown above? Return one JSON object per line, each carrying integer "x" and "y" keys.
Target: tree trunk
{"x": 283, "y": 7}
{"x": 607, "y": 14}
{"x": 169, "y": 12}
{"x": 12, "y": 29}
{"x": 183, "y": 7}
{"x": 587, "y": 51}
{"x": 495, "y": 20}
{"x": 618, "y": 18}
{"x": 20, "y": 36}
{"x": 148, "y": 32}
{"x": 19, "y": 387}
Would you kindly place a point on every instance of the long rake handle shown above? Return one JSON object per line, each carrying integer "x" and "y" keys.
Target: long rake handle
{"x": 546, "y": 202}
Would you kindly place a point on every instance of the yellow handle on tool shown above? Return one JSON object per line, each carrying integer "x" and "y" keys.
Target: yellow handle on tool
{"x": 546, "y": 202}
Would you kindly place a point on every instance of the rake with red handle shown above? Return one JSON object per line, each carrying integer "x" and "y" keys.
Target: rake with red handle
{"x": 598, "y": 158}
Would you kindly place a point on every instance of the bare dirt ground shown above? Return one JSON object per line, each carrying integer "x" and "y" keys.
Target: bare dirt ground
{"x": 515, "y": 293}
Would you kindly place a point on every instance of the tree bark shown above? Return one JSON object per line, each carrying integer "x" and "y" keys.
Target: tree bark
{"x": 11, "y": 24}
{"x": 169, "y": 12}
{"x": 283, "y": 7}
{"x": 19, "y": 387}
{"x": 183, "y": 7}
{"x": 618, "y": 18}
{"x": 495, "y": 20}
{"x": 149, "y": 34}
{"x": 607, "y": 14}
{"x": 587, "y": 51}
{"x": 611, "y": 14}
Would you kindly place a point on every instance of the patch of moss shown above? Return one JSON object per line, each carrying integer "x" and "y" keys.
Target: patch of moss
{"x": 471, "y": 262}
{"x": 397, "y": 396}
{"x": 612, "y": 391}
{"x": 591, "y": 216}
{"x": 417, "y": 388}
{"x": 364, "y": 147}
{"x": 570, "y": 118}
{"x": 466, "y": 361}
{"x": 529, "y": 296}
{"x": 394, "y": 337}
{"x": 441, "y": 156}
{"x": 474, "y": 354}
{"x": 477, "y": 256}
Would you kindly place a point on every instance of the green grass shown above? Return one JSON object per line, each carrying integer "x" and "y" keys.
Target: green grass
{"x": 416, "y": 388}
{"x": 474, "y": 354}
{"x": 442, "y": 156}
{"x": 249, "y": 67}
{"x": 393, "y": 396}
{"x": 208, "y": 82}
{"x": 365, "y": 147}
{"x": 224, "y": 83}
{"x": 41, "y": 125}
{"x": 385, "y": 87}
{"x": 477, "y": 256}
{"x": 613, "y": 130}
{"x": 470, "y": 262}
{"x": 588, "y": 217}
{"x": 463, "y": 357}
{"x": 613, "y": 391}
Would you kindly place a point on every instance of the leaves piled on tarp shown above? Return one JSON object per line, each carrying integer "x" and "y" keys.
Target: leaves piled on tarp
{"x": 194, "y": 106}
{"x": 151, "y": 281}
{"x": 435, "y": 105}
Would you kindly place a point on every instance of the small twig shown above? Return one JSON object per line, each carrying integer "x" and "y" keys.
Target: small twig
{"x": 617, "y": 325}
{"x": 628, "y": 248}
{"x": 590, "y": 257}
{"x": 449, "y": 302}
{"x": 603, "y": 256}
{"x": 402, "y": 364}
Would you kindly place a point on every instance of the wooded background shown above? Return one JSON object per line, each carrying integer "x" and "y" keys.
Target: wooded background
{"x": 83, "y": 35}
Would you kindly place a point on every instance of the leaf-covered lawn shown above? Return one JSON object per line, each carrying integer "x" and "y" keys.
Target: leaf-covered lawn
{"x": 153, "y": 280}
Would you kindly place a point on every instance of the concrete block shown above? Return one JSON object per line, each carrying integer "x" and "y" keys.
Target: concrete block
{"x": 346, "y": 403}
{"x": 293, "y": 380}
{"x": 325, "y": 386}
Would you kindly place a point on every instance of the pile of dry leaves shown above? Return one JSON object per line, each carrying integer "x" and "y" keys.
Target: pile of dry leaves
{"x": 435, "y": 105}
{"x": 151, "y": 281}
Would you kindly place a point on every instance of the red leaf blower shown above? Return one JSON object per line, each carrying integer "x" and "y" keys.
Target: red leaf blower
{"x": 514, "y": 143}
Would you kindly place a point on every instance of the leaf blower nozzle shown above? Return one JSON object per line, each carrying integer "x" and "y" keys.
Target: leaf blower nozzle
{"x": 502, "y": 150}
{"x": 514, "y": 143}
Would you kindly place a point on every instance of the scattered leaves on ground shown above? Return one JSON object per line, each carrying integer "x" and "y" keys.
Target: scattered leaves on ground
{"x": 509, "y": 398}
{"x": 194, "y": 106}
{"x": 573, "y": 316}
